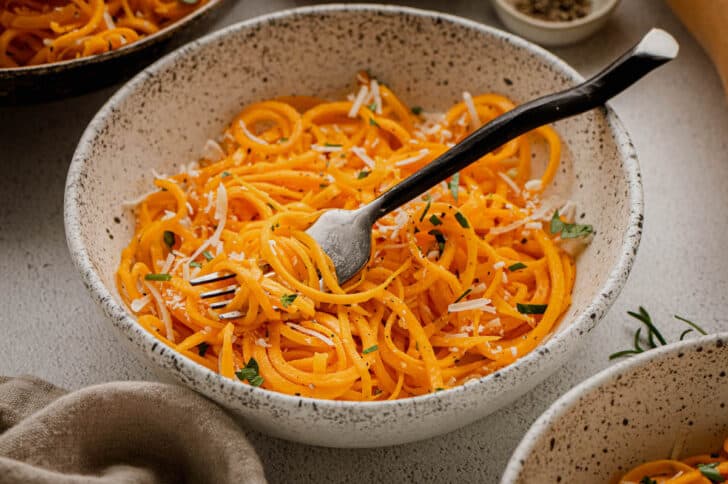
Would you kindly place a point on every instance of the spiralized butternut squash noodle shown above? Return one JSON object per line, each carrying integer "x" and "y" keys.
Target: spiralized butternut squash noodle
{"x": 36, "y": 32}
{"x": 462, "y": 281}
{"x": 698, "y": 469}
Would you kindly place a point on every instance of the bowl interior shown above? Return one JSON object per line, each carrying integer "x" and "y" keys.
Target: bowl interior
{"x": 163, "y": 117}
{"x": 623, "y": 417}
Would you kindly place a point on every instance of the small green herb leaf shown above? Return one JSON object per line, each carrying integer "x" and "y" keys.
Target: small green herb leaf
{"x": 427, "y": 209}
{"x": 371, "y": 349}
{"x": 416, "y": 110}
{"x": 454, "y": 185}
{"x": 224, "y": 174}
{"x": 462, "y": 220}
{"x": 157, "y": 277}
{"x": 362, "y": 174}
{"x": 647, "y": 480}
{"x": 440, "y": 238}
{"x": 332, "y": 145}
{"x": 710, "y": 472}
{"x": 435, "y": 220}
{"x": 517, "y": 266}
{"x": 465, "y": 293}
{"x": 567, "y": 230}
{"x": 256, "y": 381}
{"x": 207, "y": 255}
{"x": 531, "y": 308}
{"x": 169, "y": 238}
{"x": 202, "y": 348}
{"x": 372, "y": 122}
{"x": 282, "y": 140}
{"x": 250, "y": 373}
{"x": 287, "y": 299}
{"x": 372, "y": 107}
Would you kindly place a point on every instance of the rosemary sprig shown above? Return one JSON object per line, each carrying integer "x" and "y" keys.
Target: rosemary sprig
{"x": 654, "y": 336}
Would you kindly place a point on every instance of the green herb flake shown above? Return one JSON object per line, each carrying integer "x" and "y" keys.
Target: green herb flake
{"x": 517, "y": 266}
{"x": 427, "y": 209}
{"x": 439, "y": 389}
{"x": 287, "y": 299}
{"x": 250, "y": 373}
{"x": 372, "y": 107}
{"x": 567, "y": 230}
{"x": 647, "y": 480}
{"x": 333, "y": 145}
{"x": 224, "y": 174}
{"x": 372, "y": 122}
{"x": 465, "y": 293}
{"x": 440, "y": 238}
{"x": 710, "y": 472}
{"x": 371, "y": 349}
{"x": 454, "y": 185}
{"x": 531, "y": 308}
{"x": 196, "y": 264}
{"x": 207, "y": 255}
{"x": 462, "y": 220}
{"x": 169, "y": 238}
{"x": 157, "y": 277}
{"x": 362, "y": 174}
{"x": 417, "y": 110}
{"x": 282, "y": 140}
{"x": 202, "y": 348}
{"x": 435, "y": 220}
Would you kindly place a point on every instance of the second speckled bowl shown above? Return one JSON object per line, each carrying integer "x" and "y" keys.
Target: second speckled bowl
{"x": 162, "y": 118}
{"x": 630, "y": 413}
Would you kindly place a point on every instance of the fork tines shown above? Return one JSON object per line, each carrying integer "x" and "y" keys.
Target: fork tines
{"x": 223, "y": 291}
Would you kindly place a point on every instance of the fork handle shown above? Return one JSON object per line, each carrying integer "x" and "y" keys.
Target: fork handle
{"x": 655, "y": 48}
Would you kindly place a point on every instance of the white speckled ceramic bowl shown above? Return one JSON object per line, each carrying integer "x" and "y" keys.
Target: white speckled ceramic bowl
{"x": 630, "y": 413}
{"x": 162, "y": 118}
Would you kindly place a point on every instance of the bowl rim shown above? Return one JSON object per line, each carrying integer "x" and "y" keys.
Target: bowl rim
{"x": 606, "y": 9}
{"x": 569, "y": 337}
{"x": 130, "y": 48}
{"x": 572, "y": 398}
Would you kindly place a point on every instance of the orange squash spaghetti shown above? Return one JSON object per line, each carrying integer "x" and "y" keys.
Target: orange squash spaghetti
{"x": 461, "y": 281}
{"x": 698, "y": 469}
{"x": 36, "y": 32}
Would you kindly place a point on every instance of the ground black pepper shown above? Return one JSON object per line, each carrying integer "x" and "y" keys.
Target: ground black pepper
{"x": 554, "y": 10}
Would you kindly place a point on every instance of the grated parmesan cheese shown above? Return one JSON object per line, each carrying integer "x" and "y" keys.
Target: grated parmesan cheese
{"x": 413, "y": 159}
{"x": 310, "y": 332}
{"x": 480, "y": 303}
{"x": 212, "y": 151}
{"x": 139, "y": 304}
{"x": 533, "y": 185}
{"x": 377, "y": 96}
{"x": 221, "y": 216}
{"x": 358, "y": 101}
{"x": 250, "y": 135}
{"x": 363, "y": 156}
{"x": 474, "y": 118}
{"x": 509, "y": 181}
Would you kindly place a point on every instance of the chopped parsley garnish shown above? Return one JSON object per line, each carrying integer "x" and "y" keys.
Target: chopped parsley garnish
{"x": 372, "y": 107}
{"x": 435, "y": 220}
{"x": 647, "y": 480}
{"x": 371, "y": 349}
{"x": 202, "y": 348}
{"x": 333, "y": 145}
{"x": 169, "y": 238}
{"x": 462, "y": 220}
{"x": 362, "y": 174}
{"x": 224, "y": 174}
{"x": 287, "y": 299}
{"x": 439, "y": 389}
{"x": 427, "y": 209}
{"x": 531, "y": 308}
{"x": 568, "y": 231}
{"x": 194, "y": 263}
{"x": 250, "y": 373}
{"x": 416, "y": 110}
{"x": 440, "y": 238}
{"x": 282, "y": 140}
{"x": 157, "y": 277}
{"x": 652, "y": 333}
{"x": 517, "y": 266}
{"x": 465, "y": 293}
{"x": 372, "y": 122}
{"x": 454, "y": 185}
{"x": 207, "y": 255}
{"x": 710, "y": 472}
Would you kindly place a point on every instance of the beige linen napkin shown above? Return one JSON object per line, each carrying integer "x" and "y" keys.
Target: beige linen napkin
{"x": 123, "y": 432}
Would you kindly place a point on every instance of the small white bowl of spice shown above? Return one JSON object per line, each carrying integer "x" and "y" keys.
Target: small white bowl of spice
{"x": 554, "y": 22}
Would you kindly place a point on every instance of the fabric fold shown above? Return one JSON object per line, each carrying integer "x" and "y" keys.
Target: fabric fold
{"x": 121, "y": 432}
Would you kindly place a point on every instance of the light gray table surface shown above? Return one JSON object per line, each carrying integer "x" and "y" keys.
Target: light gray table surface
{"x": 678, "y": 120}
